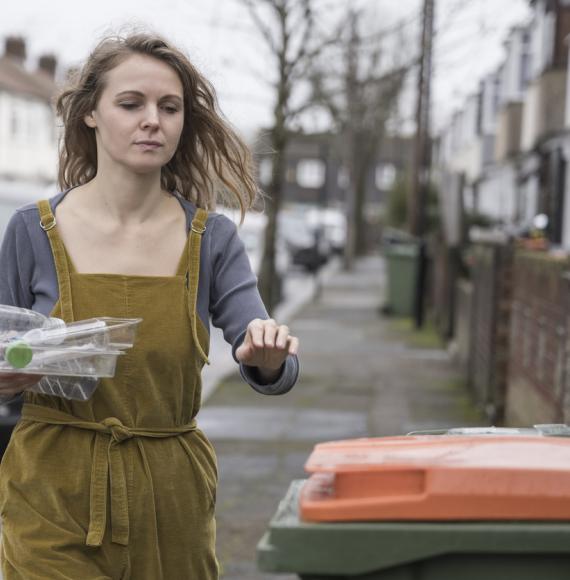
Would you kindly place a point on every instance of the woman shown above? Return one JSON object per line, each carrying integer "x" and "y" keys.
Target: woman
{"x": 123, "y": 486}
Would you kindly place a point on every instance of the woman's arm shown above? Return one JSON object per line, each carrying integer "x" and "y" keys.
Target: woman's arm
{"x": 16, "y": 266}
{"x": 264, "y": 349}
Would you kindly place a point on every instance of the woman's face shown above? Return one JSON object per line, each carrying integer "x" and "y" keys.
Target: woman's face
{"x": 139, "y": 117}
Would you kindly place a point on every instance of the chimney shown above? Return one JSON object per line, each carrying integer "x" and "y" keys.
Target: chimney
{"x": 47, "y": 65}
{"x": 15, "y": 48}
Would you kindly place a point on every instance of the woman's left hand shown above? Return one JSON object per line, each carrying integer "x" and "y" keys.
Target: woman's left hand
{"x": 266, "y": 345}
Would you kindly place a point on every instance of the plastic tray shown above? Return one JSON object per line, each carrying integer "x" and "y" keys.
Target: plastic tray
{"x": 102, "y": 332}
{"x": 74, "y": 388}
{"x": 86, "y": 348}
{"x": 77, "y": 362}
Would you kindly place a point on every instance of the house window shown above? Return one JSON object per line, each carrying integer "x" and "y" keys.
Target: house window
{"x": 549, "y": 34}
{"x": 343, "y": 178}
{"x": 385, "y": 176}
{"x": 525, "y": 62}
{"x": 14, "y": 123}
{"x": 265, "y": 170}
{"x": 290, "y": 174}
{"x": 496, "y": 93}
{"x": 311, "y": 173}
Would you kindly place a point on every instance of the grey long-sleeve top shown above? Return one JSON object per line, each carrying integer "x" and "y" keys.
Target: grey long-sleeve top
{"x": 227, "y": 288}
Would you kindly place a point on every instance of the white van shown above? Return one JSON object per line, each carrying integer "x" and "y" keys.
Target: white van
{"x": 15, "y": 194}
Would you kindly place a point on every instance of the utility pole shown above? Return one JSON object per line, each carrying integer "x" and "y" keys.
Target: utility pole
{"x": 422, "y": 156}
{"x": 351, "y": 79}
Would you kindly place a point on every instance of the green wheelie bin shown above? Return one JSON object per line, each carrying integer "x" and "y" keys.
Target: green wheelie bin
{"x": 475, "y": 548}
{"x": 402, "y": 265}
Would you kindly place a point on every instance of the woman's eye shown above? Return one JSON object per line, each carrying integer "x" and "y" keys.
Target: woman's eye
{"x": 171, "y": 109}
{"x": 128, "y": 106}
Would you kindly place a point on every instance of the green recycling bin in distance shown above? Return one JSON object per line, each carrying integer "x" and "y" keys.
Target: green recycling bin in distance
{"x": 402, "y": 264}
{"x": 412, "y": 550}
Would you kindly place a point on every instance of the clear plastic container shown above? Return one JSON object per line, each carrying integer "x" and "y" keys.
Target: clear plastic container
{"x": 76, "y": 361}
{"x": 104, "y": 332}
{"x": 71, "y": 358}
{"x": 75, "y": 388}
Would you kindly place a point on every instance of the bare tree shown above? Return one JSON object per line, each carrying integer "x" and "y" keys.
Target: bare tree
{"x": 360, "y": 100}
{"x": 288, "y": 29}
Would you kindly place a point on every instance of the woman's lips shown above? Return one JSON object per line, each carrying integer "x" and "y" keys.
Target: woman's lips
{"x": 148, "y": 145}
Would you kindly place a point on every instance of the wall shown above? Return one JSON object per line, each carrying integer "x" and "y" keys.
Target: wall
{"x": 544, "y": 109}
{"x": 28, "y": 142}
{"x": 538, "y": 383}
{"x": 508, "y": 140}
{"x": 497, "y": 193}
{"x": 491, "y": 275}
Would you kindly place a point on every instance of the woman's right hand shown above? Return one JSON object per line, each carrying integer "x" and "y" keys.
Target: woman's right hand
{"x": 12, "y": 384}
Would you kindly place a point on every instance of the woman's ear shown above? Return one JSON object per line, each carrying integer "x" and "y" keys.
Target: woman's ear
{"x": 90, "y": 120}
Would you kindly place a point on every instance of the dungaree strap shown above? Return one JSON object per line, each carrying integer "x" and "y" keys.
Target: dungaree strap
{"x": 198, "y": 228}
{"x": 48, "y": 223}
{"x": 107, "y": 470}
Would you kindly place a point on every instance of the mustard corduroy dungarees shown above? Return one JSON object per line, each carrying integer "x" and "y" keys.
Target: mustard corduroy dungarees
{"x": 121, "y": 486}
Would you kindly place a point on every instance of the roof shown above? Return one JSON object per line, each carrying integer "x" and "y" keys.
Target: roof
{"x": 16, "y": 79}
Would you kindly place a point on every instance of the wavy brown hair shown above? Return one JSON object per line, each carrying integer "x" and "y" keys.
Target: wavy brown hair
{"x": 211, "y": 162}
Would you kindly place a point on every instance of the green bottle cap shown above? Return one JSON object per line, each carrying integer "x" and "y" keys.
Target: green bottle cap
{"x": 18, "y": 354}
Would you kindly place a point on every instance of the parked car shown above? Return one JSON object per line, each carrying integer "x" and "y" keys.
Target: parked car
{"x": 252, "y": 234}
{"x": 312, "y": 234}
{"x": 333, "y": 223}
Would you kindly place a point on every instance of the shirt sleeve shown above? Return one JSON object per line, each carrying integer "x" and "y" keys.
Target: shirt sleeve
{"x": 16, "y": 264}
{"x": 235, "y": 301}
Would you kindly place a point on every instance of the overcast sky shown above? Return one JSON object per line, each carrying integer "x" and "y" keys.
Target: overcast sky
{"x": 221, "y": 40}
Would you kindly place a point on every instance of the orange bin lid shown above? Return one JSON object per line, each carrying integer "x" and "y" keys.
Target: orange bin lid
{"x": 438, "y": 478}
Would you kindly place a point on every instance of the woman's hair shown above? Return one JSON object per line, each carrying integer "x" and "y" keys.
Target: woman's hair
{"x": 211, "y": 161}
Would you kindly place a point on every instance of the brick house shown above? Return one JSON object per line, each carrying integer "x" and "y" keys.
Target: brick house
{"x": 314, "y": 174}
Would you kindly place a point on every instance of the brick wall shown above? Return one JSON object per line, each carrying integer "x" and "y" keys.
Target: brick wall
{"x": 443, "y": 272}
{"x": 463, "y": 321}
{"x": 491, "y": 275}
{"x": 538, "y": 382}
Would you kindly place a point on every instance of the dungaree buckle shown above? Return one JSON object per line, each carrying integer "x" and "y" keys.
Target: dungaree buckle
{"x": 198, "y": 229}
{"x": 49, "y": 225}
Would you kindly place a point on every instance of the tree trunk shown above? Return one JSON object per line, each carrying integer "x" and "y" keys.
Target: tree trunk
{"x": 364, "y": 163}
{"x": 269, "y": 281}
{"x": 359, "y": 217}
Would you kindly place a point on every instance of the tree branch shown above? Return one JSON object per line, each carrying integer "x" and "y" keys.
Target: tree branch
{"x": 261, "y": 26}
{"x": 307, "y": 18}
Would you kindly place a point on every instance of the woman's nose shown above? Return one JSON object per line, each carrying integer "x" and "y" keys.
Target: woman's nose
{"x": 150, "y": 118}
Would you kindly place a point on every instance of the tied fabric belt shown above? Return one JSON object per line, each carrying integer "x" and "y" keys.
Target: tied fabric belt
{"x": 108, "y": 466}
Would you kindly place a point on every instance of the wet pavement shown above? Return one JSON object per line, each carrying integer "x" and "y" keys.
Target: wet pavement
{"x": 361, "y": 375}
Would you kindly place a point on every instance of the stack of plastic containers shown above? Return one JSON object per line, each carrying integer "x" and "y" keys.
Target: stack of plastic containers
{"x": 467, "y": 504}
{"x": 70, "y": 358}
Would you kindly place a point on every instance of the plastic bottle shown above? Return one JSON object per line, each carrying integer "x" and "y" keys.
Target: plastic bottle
{"x": 16, "y": 321}
{"x": 87, "y": 332}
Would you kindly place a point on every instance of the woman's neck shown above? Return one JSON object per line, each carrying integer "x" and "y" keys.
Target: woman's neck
{"x": 126, "y": 200}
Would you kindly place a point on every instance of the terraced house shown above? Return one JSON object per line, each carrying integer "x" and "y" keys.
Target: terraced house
{"x": 28, "y": 132}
